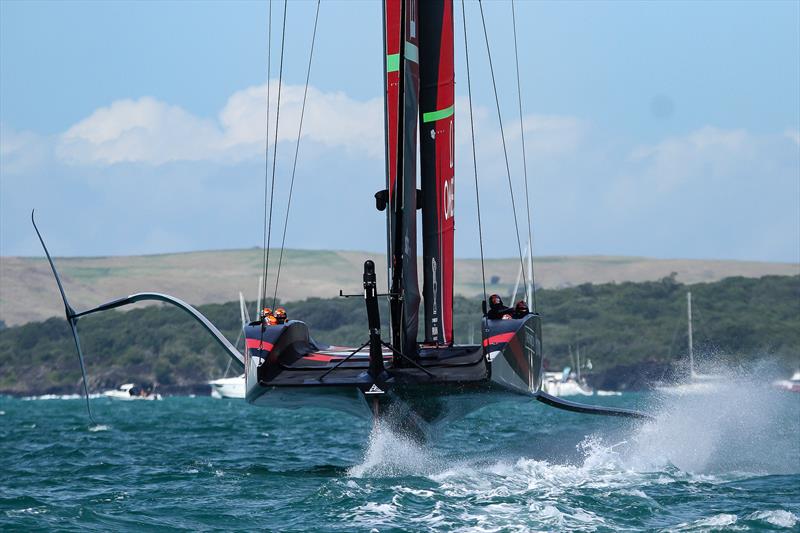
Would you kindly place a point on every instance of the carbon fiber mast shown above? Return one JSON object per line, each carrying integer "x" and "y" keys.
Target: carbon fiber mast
{"x": 73, "y": 316}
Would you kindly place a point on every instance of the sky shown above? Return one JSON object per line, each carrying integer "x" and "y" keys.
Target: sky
{"x": 660, "y": 129}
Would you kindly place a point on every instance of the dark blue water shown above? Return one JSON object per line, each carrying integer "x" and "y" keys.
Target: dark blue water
{"x": 726, "y": 459}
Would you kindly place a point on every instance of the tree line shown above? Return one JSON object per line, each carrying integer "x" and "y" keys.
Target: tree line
{"x": 614, "y": 325}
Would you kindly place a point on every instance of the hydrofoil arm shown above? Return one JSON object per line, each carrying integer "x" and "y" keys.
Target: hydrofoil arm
{"x": 73, "y": 316}
{"x": 180, "y": 304}
{"x": 567, "y": 405}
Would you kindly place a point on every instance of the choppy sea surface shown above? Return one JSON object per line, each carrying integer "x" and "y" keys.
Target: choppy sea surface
{"x": 721, "y": 459}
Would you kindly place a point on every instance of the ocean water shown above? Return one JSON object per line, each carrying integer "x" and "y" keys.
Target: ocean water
{"x": 724, "y": 459}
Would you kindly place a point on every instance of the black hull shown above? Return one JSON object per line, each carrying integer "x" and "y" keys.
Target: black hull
{"x": 286, "y": 368}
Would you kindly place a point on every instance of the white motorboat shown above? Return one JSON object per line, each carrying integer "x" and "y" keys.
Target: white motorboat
{"x": 130, "y": 391}
{"x": 232, "y": 387}
{"x": 792, "y": 384}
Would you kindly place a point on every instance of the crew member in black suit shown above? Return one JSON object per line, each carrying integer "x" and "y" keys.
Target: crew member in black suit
{"x": 497, "y": 309}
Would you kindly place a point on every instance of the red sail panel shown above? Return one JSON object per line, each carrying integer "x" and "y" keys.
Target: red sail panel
{"x": 392, "y": 31}
{"x": 437, "y": 154}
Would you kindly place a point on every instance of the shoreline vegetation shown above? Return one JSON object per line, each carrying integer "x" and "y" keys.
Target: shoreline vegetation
{"x": 27, "y": 292}
{"x": 635, "y": 335}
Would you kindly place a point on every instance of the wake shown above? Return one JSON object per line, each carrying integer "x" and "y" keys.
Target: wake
{"x": 735, "y": 426}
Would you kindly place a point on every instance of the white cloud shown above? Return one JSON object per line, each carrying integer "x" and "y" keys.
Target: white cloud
{"x": 150, "y": 131}
{"x": 21, "y": 151}
{"x": 545, "y": 135}
{"x": 705, "y": 154}
{"x": 153, "y": 132}
{"x": 793, "y": 135}
{"x": 143, "y": 130}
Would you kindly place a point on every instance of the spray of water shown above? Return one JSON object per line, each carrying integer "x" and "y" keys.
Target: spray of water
{"x": 729, "y": 421}
{"x": 390, "y": 453}
{"x": 734, "y": 429}
{"x": 732, "y": 423}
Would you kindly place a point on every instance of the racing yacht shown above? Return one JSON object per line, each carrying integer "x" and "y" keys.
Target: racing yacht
{"x": 416, "y": 373}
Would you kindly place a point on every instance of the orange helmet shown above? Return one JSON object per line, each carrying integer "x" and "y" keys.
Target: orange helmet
{"x": 266, "y": 312}
{"x": 280, "y": 315}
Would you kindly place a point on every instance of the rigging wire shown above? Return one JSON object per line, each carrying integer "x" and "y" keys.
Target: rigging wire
{"x": 296, "y": 150}
{"x": 261, "y": 290}
{"x": 474, "y": 159}
{"x": 524, "y": 160}
{"x": 505, "y": 150}
{"x": 275, "y": 148}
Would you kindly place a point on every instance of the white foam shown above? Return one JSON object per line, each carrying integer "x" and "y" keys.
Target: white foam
{"x": 99, "y": 427}
{"x": 27, "y": 511}
{"x": 718, "y": 520}
{"x": 390, "y": 454}
{"x": 61, "y": 397}
{"x": 778, "y": 518}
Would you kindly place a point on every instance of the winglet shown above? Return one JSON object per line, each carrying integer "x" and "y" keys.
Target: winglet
{"x": 70, "y": 313}
{"x": 68, "y": 310}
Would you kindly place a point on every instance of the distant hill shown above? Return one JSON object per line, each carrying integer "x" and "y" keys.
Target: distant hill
{"x": 633, "y": 333}
{"x": 28, "y": 292}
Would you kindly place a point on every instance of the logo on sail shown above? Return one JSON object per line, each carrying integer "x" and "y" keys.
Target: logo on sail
{"x": 449, "y": 198}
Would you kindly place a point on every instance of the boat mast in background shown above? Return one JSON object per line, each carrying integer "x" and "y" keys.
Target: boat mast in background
{"x": 691, "y": 343}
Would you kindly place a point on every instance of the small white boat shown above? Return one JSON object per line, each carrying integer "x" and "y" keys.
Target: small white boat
{"x": 792, "y": 384}
{"x": 232, "y": 387}
{"x": 129, "y": 392}
{"x": 564, "y": 383}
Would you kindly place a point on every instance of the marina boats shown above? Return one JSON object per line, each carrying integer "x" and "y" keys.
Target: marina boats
{"x": 416, "y": 374}
{"x": 564, "y": 383}
{"x": 568, "y": 382}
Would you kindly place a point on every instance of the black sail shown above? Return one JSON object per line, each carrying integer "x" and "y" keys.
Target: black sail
{"x": 437, "y": 155}
{"x": 403, "y": 182}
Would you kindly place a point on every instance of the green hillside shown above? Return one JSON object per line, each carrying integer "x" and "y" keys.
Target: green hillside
{"x": 617, "y": 326}
{"x": 28, "y": 292}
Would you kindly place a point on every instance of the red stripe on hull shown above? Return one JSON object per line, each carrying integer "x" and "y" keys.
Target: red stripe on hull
{"x": 499, "y": 339}
{"x": 258, "y": 344}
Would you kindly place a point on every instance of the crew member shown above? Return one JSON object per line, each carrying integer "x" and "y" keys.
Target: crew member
{"x": 280, "y": 315}
{"x": 497, "y": 309}
{"x": 521, "y": 309}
